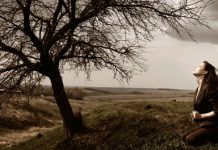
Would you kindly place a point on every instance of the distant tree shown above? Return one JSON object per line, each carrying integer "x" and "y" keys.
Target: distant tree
{"x": 42, "y": 38}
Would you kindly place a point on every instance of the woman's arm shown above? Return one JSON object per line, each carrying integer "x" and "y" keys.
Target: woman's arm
{"x": 212, "y": 98}
{"x": 203, "y": 116}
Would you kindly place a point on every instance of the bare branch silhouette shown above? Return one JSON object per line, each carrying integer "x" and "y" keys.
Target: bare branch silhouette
{"x": 38, "y": 38}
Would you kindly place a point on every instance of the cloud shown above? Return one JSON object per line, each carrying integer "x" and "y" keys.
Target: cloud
{"x": 211, "y": 10}
{"x": 201, "y": 33}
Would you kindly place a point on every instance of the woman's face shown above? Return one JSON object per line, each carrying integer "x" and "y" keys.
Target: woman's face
{"x": 199, "y": 70}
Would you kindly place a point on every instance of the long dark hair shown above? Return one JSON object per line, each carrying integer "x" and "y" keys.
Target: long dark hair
{"x": 211, "y": 78}
{"x": 210, "y": 81}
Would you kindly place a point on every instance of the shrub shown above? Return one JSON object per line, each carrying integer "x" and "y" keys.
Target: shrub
{"x": 76, "y": 93}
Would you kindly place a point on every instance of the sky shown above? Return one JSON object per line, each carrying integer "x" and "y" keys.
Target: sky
{"x": 170, "y": 60}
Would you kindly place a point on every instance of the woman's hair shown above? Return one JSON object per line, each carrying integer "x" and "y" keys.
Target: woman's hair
{"x": 211, "y": 78}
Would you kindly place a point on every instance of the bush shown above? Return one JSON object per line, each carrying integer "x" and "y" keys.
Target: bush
{"x": 76, "y": 93}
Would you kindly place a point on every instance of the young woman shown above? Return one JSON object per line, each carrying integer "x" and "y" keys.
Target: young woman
{"x": 205, "y": 106}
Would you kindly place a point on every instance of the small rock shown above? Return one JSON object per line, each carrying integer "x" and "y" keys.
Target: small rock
{"x": 39, "y": 135}
{"x": 174, "y": 100}
{"x": 148, "y": 107}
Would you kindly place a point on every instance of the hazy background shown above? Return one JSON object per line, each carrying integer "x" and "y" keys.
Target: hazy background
{"x": 170, "y": 60}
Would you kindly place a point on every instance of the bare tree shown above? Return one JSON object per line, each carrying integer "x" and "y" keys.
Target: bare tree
{"x": 41, "y": 37}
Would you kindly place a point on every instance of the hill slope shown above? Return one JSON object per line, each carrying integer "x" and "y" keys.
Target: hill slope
{"x": 142, "y": 125}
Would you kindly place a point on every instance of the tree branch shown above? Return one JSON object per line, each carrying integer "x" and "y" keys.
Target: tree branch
{"x": 14, "y": 51}
{"x": 27, "y": 28}
{"x": 12, "y": 68}
{"x": 64, "y": 49}
{"x": 73, "y": 9}
{"x": 59, "y": 35}
{"x": 93, "y": 9}
{"x": 17, "y": 83}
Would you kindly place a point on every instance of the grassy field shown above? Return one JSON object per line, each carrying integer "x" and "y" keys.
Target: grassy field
{"x": 132, "y": 119}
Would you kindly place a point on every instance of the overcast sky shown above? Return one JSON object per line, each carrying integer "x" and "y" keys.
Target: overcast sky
{"x": 170, "y": 60}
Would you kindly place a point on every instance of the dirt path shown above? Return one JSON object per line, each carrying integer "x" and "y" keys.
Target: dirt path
{"x": 9, "y": 139}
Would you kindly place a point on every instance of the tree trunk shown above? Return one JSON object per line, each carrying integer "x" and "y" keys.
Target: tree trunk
{"x": 63, "y": 103}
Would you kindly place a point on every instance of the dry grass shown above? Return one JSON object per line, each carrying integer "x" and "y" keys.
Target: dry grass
{"x": 141, "y": 125}
{"x": 22, "y": 121}
{"x": 121, "y": 121}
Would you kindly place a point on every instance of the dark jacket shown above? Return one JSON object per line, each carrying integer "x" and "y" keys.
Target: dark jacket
{"x": 207, "y": 101}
